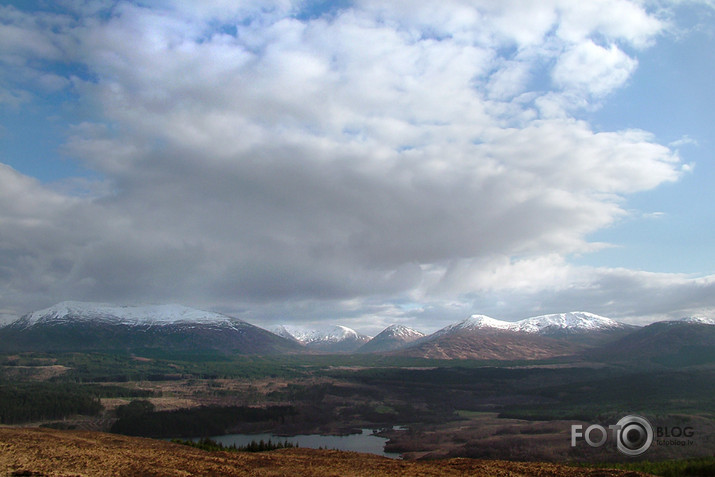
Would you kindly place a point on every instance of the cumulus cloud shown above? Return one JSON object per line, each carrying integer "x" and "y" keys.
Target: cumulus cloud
{"x": 505, "y": 287}
{"x": 591, "y": 68}
{"x": 372, "y": 162}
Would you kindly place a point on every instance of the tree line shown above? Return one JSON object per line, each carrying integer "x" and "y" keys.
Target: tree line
{"x": 139, "y": 419}
{"x": 254, "y": 446}
{"x": 44, "y": 401}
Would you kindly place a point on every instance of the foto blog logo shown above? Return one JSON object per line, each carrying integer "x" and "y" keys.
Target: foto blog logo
{"x": 633, "y": 435}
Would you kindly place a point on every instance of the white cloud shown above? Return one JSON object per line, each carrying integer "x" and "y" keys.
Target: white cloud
{"x": 592, "y": 69}
{"x": 683, "y": 141}
{"x": 613, "y": 20}
{"x": 509, "y": 288}
{"x": 384, "y": 153}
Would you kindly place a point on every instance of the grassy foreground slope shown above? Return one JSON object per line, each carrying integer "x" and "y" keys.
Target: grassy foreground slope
{"x": 47, "y": 452}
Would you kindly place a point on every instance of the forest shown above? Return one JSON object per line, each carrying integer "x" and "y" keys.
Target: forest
{"x": 466, "y": 408}
{"x": 138, "y": 418}
{"x": 44, "y": 401}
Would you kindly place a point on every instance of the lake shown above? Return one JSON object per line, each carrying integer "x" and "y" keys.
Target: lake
{"x": 366, "y": 441}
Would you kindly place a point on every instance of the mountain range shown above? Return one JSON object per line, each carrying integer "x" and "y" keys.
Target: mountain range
{"x": 546, "y": 336}
{"x": 689, "y": 341}
{"x": 391, "y": 338}
{"x": 329, "y": 339}
{"x": 78, "y": 326}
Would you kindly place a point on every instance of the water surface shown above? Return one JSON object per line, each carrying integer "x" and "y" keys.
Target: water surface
{"x": 366, "y": 441}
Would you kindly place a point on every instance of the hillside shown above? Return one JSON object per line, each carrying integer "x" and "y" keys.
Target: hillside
{"x": 391, "y": 338}
{"x": 84, "y": 327}
{"x": 488, "y": 344}
{"x": 684, "y": 342}
{"x": 78, "y": 326}
{"x": 482, "y": 337}
{"x": 577, "y": 327}
{"x": 46, "y": 452}
{"x": 327, "y": 339}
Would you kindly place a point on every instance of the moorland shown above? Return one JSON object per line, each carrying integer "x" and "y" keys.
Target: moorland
{"x": 514, "y": 410}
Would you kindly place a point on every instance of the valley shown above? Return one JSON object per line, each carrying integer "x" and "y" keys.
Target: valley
{"x": 449, "y": 408}
{"x": 479, "y": 389}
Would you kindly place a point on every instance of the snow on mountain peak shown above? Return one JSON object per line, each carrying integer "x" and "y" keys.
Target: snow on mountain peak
{"x": 339, "y": 333}
{"x": 568, "y": 322}
{"x": 402, "y": 331}
{"x": 573, "y": 321}
{"x": 483, "y": 321}
{"x": 334, "y": 333}
{"x": 475, "y": 322}
{"x": 129, "y": 315}
{"x": 698, "y": 320}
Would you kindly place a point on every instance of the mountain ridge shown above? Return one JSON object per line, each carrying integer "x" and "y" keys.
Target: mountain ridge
{"x": 123, "y": 314}
{"x": 487, "y": 343}
{"x": 73, "y": 325}
{"x": 668, "y": 342}
{"x": 86, "y": 326}
{"x": 331, "y": 338}
{"x": 391, "y": 338}
{"x": 575, "y": 321}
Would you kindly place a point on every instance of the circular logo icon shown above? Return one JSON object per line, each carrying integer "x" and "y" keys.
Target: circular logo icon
{"x": 634, "y": 435}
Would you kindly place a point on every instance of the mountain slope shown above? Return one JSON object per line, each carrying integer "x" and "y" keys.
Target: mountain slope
{"x": 578, "y": 326}
{"x": 78, "y": 326}
{"x": 671, "y": 343}
{"x": 573, "y": 322}
{"x": 698, "y": 319}
{"x": 75, "y": 311}
{"x": 391, "y": 338}
{"x": 560, "y": 324}
{"x": 329, "y": 339}
{"x": 40, "y": 452}
{"x": 482, "y": 337}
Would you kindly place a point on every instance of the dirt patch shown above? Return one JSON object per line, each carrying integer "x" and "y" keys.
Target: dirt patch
{"x": 47, "y": 452}
{"x": 160, "y": 403}
{"x": 34, "y": 373}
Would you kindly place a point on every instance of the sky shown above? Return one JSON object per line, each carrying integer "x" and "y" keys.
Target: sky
{"x": 361, "y": 163}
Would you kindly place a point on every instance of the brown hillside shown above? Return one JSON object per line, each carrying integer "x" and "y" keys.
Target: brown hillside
{"x": 47, "y": 452}
{"x": 489, "y": 344}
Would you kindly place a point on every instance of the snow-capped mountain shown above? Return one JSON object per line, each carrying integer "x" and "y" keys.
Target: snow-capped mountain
{"x": 391, "y": 338}
{"x": 684, "y": 342}
{"x": 473, "y": 323}
{"x": 484, "y": 337}
{"x": 73, "y": 312}
{"x": 284, "y": 332}
{"x": 334, "y": 339}
{"x": 308, "y": 335}
{"x": 699, "y": 320}
{"x": 80, "y": 326}
{"x": 573, "y": 322}
{"x": 578, "y": 325}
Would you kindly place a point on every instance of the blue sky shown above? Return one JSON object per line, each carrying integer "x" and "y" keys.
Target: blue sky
{"x": 359, "y": 162}
{"x": 669, "y": 95}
